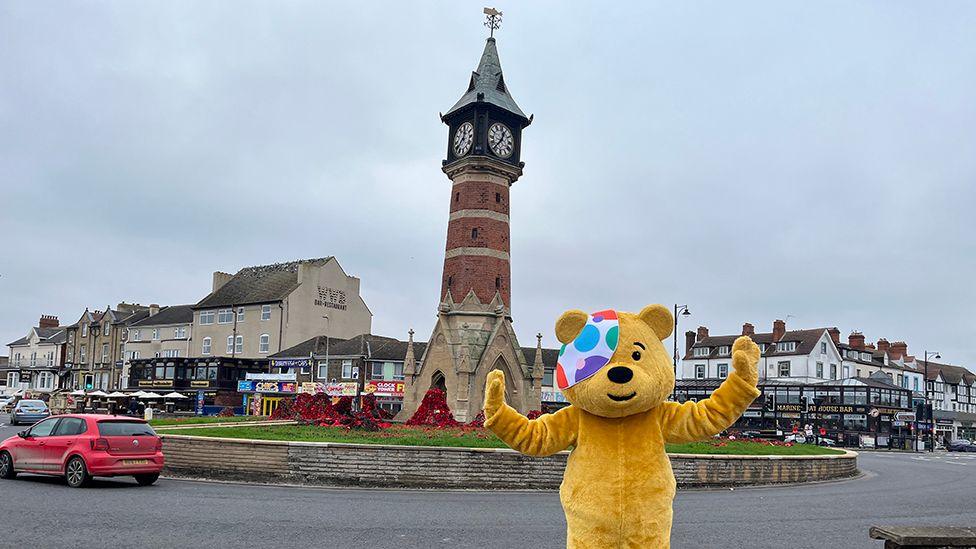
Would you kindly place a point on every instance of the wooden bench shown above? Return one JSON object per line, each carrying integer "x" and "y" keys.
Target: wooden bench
{"x": 930, "y": 537}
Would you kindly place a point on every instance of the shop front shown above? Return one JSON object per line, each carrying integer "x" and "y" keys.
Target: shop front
{"x": 263, "y": 393}
{"x": 210, "y": 382}
{"x": 389, "y": 394}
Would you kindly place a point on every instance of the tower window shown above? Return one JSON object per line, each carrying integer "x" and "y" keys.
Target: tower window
{"x": 457, "y": 196}
{"x": 450, "y": 280}
{"x": 498, "y": 197}
{"x": 474, "y": 233}
{"x": 498, "y": 282}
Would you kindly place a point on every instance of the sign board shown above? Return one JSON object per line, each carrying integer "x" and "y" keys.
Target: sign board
{"x": 874, "y": 412}
{"x": 199, "y": 384}
{"x": 270, "y": 377}
{"x": 905, "y": 416}
{"x": 199, "y": 409}
{"x": 253, "y": 386}
{"x": 285, "y": 363}
{"x": 25, "y": 376}
{"x": 382, "y": 388}
{"x": 346, "y": 388}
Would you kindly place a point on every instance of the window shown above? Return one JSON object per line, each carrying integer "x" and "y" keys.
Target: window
{"x": 723, "y": 350}
{"x": 239, "y": 345}
{"x": 547, "y": 378}
{"x": 723, "y": 371}
{"x": 786, "y": 346}
{"x": 136, "y": 335}
{"x": 398, "y": 372}
{"x": 474, "y": 233}
{"x": 833, "y": 371}
{"x": 264, "y": 342}
{"x": 784, "y": 369}
{"x": 84, "y": 330}
{"x": 44, "y": 428}
{"x": 915, "y": 384}
{"x": 33, "y": 361}
{"x": 70, "y": 426}
{"x": 155, "y": 334}
{"x": 225, "y": 316}
{"x": 700, "y": 351}
{"x": 107, "y": 329}
{"x": 820, "y": 370}
{"x": 377, "y": 371}
{"x": 230, "y": 344}
{"x": 265, "y": 312}
{"x": 104, "y": 353}
{"x": 847, "y": 372}
{"x": 180, "y": 332}
{"x": 347, "y": 369}
{"x": 858, "y": 372}
{"x": 171, "y": 353}
{"x": 81, "y": 354}
{"x": 13, "y": 378}
{"x": 240, "y": 314}
{"x": 206, "y": 317}
{"x": 457, "y": 196}
{"x": 498, "y": 198}
{"x": 699, "y": 371}
{"x": 207, "y": 344}
{"x": 71, "y": 337}
{"x": 135, "y": 355}
{"x": 323, "y": 372}
{"x": 823, "y": 347}
{"x": 45, "y": 381}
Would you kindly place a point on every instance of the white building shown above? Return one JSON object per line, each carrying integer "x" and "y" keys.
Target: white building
{"x": 891, "y": 359}
{"x": 804, "y": 356}
{"x": 36, "y": 358}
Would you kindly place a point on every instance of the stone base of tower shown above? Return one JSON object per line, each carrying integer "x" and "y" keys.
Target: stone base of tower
{"x": 469, "y": 340}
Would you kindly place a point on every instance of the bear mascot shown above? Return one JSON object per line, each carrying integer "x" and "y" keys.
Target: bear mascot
{"x": 618, "y": 486}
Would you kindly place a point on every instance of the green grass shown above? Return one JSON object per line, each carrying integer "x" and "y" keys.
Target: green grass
{"x": 464, "y": 438}
{"x": 196, "y": 420}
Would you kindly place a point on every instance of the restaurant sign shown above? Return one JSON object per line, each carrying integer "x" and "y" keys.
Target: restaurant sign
{"x": 285, "y": 363}
{"x": 254, "y": 386}
{"x": 199, "y": 384}
{"x": 383, "y": 388}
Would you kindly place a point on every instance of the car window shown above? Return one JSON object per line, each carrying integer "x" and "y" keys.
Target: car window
{"x": 124, "y": 429}
{"x": 32, "y": 404}
{"x": 70, "y": 426}
{"x": 43, "y": 428}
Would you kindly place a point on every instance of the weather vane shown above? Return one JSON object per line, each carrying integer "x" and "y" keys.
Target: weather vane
{"x": 493, "y": 20}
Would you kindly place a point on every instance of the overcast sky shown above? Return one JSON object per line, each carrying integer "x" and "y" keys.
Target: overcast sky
{"x": 753, "y": 160}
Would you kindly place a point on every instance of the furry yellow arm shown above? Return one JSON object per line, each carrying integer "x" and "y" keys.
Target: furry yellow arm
{"x": 699, "y": 420}
{"x": 545, "y": 436}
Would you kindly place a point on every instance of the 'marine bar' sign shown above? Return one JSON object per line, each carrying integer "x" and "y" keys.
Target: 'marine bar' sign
{"x": 331, "y": 298}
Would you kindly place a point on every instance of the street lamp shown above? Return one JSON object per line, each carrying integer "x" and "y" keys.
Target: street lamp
{"x": 683, "y": 310}
{"x": 928, "y": 406}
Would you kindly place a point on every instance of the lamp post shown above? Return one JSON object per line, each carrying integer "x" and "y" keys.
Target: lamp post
{"x": 683, "y": 310}
{"x": 928, "y": 406}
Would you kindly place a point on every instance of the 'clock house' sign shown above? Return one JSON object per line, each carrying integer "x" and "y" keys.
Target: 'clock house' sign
{"x": 331, "y": 298}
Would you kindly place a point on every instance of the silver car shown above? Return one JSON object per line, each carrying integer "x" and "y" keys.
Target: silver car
{"x": 29, "y": 412}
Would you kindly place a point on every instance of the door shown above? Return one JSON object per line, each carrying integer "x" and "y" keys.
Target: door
{"x": 30, "y": 452}
{"x": 269, "y": 405}
{"x": 63, "y": 439}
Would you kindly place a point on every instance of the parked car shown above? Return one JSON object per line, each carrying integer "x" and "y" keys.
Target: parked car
{"x": 961, "y": 445}
{"x": 29, "y": 412}
{"x": 6, "y": 403}
{"x": 82, "y": 446}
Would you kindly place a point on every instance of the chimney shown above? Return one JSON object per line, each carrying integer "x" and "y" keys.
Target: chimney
{"x": 689, "y": 341}
{"x": 856, "y": 340}
{"x": 869, "y": 346}
{"x": 48, "y": 321}
{"x": 153, "y": 309}
{"x": 748, "y": 329}
{"x": 897, "y": 350}
{"x": 834, "y": 334}
{"x": 702, "y": 333}
{"x": 220, "y": 278}
{"x": 779, "y": 330}
{"x": 883, "y": 345}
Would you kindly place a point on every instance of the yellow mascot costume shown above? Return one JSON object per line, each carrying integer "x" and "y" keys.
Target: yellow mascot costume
{"x": 613, "y": 369}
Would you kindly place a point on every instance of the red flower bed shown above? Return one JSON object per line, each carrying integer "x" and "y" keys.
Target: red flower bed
{"x": 319, "y": 410}
{"x": 434, "y": 411}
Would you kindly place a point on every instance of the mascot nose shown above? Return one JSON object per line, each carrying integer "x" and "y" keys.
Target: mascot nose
{"x": 620, "y": 374}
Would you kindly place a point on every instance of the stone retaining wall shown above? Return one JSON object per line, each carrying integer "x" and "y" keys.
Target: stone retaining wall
{"x": 337, "y": 464}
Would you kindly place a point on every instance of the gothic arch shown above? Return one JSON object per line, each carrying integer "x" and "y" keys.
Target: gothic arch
{"x": 438, "y": 381}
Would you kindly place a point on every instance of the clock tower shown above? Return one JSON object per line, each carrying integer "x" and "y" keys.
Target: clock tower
{"x": 474, "y": 333}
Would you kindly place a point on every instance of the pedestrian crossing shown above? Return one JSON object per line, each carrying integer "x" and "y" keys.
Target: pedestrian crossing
{"x": 948, "y": 457}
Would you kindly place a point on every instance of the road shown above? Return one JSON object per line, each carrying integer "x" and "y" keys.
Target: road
{"x": 896, "y": 488}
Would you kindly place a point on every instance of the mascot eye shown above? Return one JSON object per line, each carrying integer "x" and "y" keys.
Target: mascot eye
{"x": 636, "y": 355}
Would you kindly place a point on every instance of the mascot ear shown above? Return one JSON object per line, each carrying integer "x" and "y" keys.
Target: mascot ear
{"x": 659, "y": 318}
{"x": 569, "y": 325}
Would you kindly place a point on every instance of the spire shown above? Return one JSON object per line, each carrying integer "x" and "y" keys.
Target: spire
{"x": 488, "y": 85}
{"x": 539, "y": 367}
{"x": 409, "y": 361}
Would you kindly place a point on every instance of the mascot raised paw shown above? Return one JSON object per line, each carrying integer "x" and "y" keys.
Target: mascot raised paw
{"x": 613, "y": 369}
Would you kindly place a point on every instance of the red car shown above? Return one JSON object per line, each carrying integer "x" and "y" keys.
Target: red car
{"x": 81, "y": 446}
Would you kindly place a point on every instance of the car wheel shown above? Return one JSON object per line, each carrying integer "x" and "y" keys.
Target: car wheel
{"x": 76, "y": 473}
{"x": 147, "y": 479}
{"x": 7, "y": 466}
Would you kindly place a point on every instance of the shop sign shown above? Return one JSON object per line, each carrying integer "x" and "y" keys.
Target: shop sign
{"x": 943, "y": 422}
{"x": 553, "y": 396}
{"x": 145, "y": 383}
{"x": 346, "y": 388}
{"x": 752, "y": 413}
{"x": 311, "y": 388}
{"x": 163, "y": 383}
{"x": 252, "y": 386}
{"x": 384, "y": 388}
{"x": 199, "y": 384}
{"x": 905, "y": 416}
{"x": 199, "y": 409}
{"x": 25, "y": 376}
{"x": 289, "y": 363}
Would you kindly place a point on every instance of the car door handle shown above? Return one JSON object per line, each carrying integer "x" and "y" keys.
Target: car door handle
{"x": 40, "y": 444}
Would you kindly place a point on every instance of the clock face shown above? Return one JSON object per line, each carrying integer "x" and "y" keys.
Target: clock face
{"x": 500, "y": 140}
{"x": 463, "y": 138}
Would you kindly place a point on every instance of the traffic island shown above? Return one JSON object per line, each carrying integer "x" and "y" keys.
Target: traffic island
{"x": 403, "y": 466}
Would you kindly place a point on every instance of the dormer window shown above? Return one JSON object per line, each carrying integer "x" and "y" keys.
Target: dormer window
{"x": 865, "y": 356}
{"x": 701, "y": 351}
{"x": 786, "y": 346}
{"x": 723, "y": 350}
